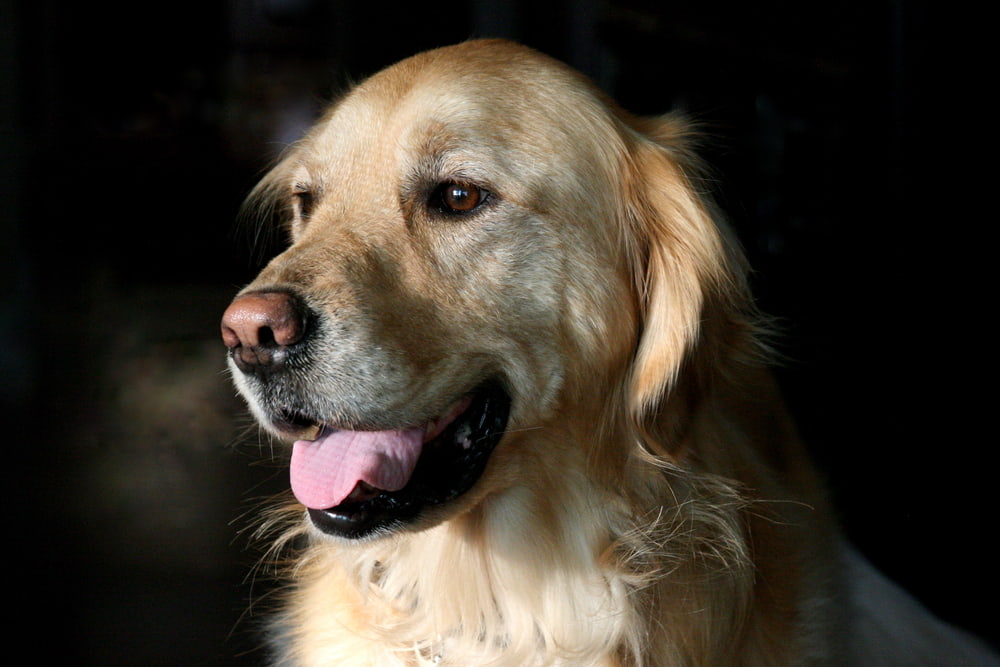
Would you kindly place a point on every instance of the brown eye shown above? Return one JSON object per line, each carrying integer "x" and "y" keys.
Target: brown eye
{"x": 458, "y": 197}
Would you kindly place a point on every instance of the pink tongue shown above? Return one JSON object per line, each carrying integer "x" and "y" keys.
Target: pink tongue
{"x": 325, "y": 471}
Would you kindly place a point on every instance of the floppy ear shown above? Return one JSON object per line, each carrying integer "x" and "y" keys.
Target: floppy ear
{"x": 682, "y": 263}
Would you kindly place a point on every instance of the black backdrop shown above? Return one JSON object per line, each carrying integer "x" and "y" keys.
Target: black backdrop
{"x": 131, "y": 131}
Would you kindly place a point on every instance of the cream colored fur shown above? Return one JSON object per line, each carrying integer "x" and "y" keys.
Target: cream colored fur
{"x": 650, "y": 504}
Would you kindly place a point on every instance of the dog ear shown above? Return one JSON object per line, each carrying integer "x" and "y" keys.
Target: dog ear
{"x": 682, "y": 262}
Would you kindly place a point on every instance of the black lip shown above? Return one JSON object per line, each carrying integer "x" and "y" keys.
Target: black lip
{"x": 445, "y": 471}
{"x": 290, "y": 421}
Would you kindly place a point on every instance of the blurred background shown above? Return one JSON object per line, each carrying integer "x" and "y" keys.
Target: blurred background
{"x": 130, "y": 132}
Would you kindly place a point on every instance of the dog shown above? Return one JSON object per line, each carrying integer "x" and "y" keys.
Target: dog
{"x": 527, "y": 391}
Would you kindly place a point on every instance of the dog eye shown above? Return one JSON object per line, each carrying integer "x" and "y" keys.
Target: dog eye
{"x": 458, "y": 197}
{"x": 304, "y": 201}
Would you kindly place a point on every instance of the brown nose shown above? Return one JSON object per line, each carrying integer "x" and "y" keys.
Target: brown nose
{"x": 259, "y": 327}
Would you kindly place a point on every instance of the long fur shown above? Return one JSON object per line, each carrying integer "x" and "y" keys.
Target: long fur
{"x": 650, "y": 504}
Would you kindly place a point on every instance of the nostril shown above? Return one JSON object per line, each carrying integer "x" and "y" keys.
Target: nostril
{"x": 230, "y": 337}
{"x": 266, "y": 337}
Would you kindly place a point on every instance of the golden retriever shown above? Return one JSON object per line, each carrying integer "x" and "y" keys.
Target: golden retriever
{"x": 532, "y": 421}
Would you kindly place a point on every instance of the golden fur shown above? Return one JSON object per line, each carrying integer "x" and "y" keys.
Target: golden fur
{"x": 649, "y": 504}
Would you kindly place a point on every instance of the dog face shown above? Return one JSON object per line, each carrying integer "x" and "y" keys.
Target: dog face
{"x": 471, "y": 258}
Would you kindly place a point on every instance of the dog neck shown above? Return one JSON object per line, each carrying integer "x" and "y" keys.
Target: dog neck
{"x": 510, "y": 581}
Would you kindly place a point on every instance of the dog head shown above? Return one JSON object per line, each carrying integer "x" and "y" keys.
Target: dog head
{"x": 481, "y": 246}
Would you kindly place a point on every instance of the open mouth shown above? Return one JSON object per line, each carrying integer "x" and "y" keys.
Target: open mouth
{"x": 356, "y": 483}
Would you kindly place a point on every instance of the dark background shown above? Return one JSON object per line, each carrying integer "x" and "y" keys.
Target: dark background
{"x": 131, "y": 132}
